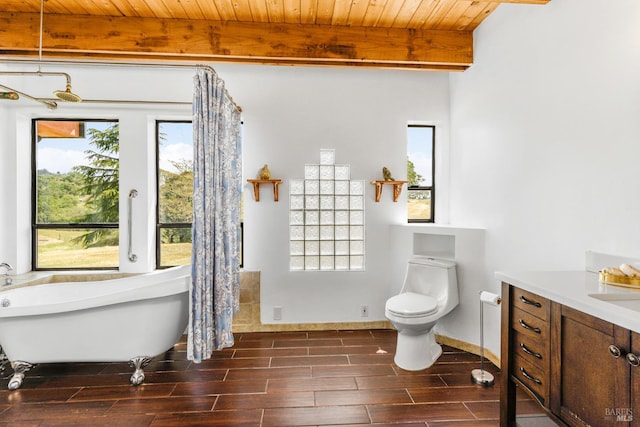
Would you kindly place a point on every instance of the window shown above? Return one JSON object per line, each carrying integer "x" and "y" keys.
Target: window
{"x": 175, "y": 188}
{"x": 174, "y": 214}
{"x": 326, "y": 217}
{"x": 75, "y": 194}
{"x": 420, "y": 172}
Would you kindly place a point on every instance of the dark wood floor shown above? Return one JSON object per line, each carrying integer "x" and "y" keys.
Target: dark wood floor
{"x": 319, "y": 378}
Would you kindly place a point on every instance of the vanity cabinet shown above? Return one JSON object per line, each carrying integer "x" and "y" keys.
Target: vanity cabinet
{"x": 579, "y": 368}
{"x": 525, "y": 349}
{"x": 530, "y": 343}
{"x": 595, "y": 376}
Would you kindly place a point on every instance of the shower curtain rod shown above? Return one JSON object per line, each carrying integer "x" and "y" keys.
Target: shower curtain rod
{"x": 194, "y": 66}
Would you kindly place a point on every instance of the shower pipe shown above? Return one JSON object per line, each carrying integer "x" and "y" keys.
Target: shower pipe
{"x": 51, "y": 104}
{"x": 64, "y": 95}
{"x": 124, "y": 64}
{"x": 132, "y": 195}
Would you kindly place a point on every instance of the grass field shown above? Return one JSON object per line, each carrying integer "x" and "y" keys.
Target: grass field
{"x": 419, "y": 209}
{"x": 56, "y": 250}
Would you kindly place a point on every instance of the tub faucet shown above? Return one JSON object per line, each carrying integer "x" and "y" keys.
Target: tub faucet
{"x": 7, "y": 280}
{"x": 7, "y": 266}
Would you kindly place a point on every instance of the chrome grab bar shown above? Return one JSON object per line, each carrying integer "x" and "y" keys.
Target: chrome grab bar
{"x": 132, "y": 194}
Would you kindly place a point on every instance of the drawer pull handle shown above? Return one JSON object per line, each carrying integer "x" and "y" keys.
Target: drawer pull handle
{"x": 615, "y": 351}
{"x": 529, "y": 377}
{"x": 633, "y": 359}
{"x": 529, "y": 302}
{"x": 529, "y": 352}
{"x": 528, "y": 327}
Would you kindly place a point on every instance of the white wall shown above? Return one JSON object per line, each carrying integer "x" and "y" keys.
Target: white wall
{"x": 545, "y": 136}
{"x": 289, "y": 113}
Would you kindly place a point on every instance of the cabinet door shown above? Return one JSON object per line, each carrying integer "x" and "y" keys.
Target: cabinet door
{"x": 594, "y": 383}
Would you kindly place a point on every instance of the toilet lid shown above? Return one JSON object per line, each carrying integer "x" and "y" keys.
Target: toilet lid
{"x": 409, "y": 304}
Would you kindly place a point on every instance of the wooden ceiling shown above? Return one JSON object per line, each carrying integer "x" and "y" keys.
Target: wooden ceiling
{"x": 425, "y": 34}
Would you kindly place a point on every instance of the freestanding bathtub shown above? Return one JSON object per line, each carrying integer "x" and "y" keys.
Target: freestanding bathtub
{"x": 127, "y": 319}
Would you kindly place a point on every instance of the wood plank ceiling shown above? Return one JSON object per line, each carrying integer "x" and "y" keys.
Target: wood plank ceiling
{"x": 425, "y": 34}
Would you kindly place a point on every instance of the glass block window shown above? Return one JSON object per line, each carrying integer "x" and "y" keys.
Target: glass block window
{"x": 326, "y": 218}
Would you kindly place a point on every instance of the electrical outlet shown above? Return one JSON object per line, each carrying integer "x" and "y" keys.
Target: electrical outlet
{"x": 364, "y": 311}
{"x": 277, "y": 313}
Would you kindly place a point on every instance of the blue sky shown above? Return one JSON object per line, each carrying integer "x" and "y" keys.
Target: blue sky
{"x": 419, "y": 151}
{"x": 61, "y": 154}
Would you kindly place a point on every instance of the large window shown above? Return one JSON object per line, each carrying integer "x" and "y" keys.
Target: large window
{"x": 75, "y": 194}
{"x": 175, "y": 189}
{"x": 420, "y": 172}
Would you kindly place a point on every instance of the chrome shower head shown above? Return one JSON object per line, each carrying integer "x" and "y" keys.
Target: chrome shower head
{"x": 67, "y": 95}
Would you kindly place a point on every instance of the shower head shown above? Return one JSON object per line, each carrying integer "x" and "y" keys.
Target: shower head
{"x": 67, "y": 95}
{"x": 63, "y": 95}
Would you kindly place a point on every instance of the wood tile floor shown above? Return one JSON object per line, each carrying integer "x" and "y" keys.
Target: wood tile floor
{"x": 320, "y": 378}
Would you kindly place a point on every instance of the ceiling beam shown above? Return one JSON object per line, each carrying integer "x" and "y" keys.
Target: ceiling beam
{"x": 112, "y": 38}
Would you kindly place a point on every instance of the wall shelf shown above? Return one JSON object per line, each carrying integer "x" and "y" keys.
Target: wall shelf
{"x": 256, "y": 187}
{"x": 397, "y": 188}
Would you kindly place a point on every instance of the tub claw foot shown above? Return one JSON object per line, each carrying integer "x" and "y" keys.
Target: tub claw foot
{"x": 138, "y": 363}
{"x": 19, "y": 369}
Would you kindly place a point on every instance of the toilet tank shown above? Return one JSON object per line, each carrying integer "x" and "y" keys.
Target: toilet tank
{"x": 432, "y": 276}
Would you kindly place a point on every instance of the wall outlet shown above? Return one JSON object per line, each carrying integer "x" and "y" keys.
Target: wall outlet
{"x": 277, "y": 313}
{"x": 364, "y": 311}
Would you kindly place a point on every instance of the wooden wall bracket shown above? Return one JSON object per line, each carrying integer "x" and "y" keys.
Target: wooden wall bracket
{"x": 397, "y": 188}
{"x": 256, "y": 187}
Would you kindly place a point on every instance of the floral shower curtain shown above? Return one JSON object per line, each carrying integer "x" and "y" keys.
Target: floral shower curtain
{"x": 215, "y": 259}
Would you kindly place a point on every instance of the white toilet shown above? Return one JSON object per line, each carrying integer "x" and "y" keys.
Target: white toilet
{"x": 430, "y": 291}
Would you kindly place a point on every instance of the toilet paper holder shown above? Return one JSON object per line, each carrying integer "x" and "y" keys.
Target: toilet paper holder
{"x": 480, "y": 376}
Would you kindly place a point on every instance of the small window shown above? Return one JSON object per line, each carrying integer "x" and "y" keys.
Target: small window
{"x": 420, "y": 173}
{"x": 75, "y": 194}
{"x": 175, "y": 189}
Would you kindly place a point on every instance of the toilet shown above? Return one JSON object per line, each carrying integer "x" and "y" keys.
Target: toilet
{"x": 429, "y": 292}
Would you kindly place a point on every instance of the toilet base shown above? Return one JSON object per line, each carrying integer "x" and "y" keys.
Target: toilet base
{"x": 416, "y": 352}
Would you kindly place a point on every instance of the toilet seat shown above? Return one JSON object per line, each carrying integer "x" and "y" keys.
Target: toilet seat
{"x": 410, "y": 304}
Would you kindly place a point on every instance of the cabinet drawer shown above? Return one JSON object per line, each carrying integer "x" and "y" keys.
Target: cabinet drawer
{"x": 531, "y": 303}
{"x": 532, "y": 349}
{"x": 529, "y": 325}
{"x": 533, "y": 377}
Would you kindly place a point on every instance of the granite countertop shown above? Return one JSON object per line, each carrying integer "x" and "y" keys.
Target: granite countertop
{"x": 575, "y": 289}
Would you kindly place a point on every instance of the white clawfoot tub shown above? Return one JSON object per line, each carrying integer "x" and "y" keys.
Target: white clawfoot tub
{"x": 127, "y": 319}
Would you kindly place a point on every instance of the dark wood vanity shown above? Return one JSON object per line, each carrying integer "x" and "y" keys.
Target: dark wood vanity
{"x": 581, "y": 369}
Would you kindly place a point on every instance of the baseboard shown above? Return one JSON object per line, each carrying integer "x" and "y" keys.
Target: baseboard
{"x": 287, "y": 327}
{"x": 380, "y": 324}
{"x": 469, "y": 348}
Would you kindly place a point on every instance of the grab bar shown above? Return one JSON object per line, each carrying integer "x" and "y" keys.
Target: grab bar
{"x": 132, "y": 194}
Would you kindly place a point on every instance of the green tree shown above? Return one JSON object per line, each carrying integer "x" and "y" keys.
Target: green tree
{"x": 60, "y": 197}
{"x": 176, "y": 192}
{"x": 101, "y": 182}
{"x": 413, "y": 177}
